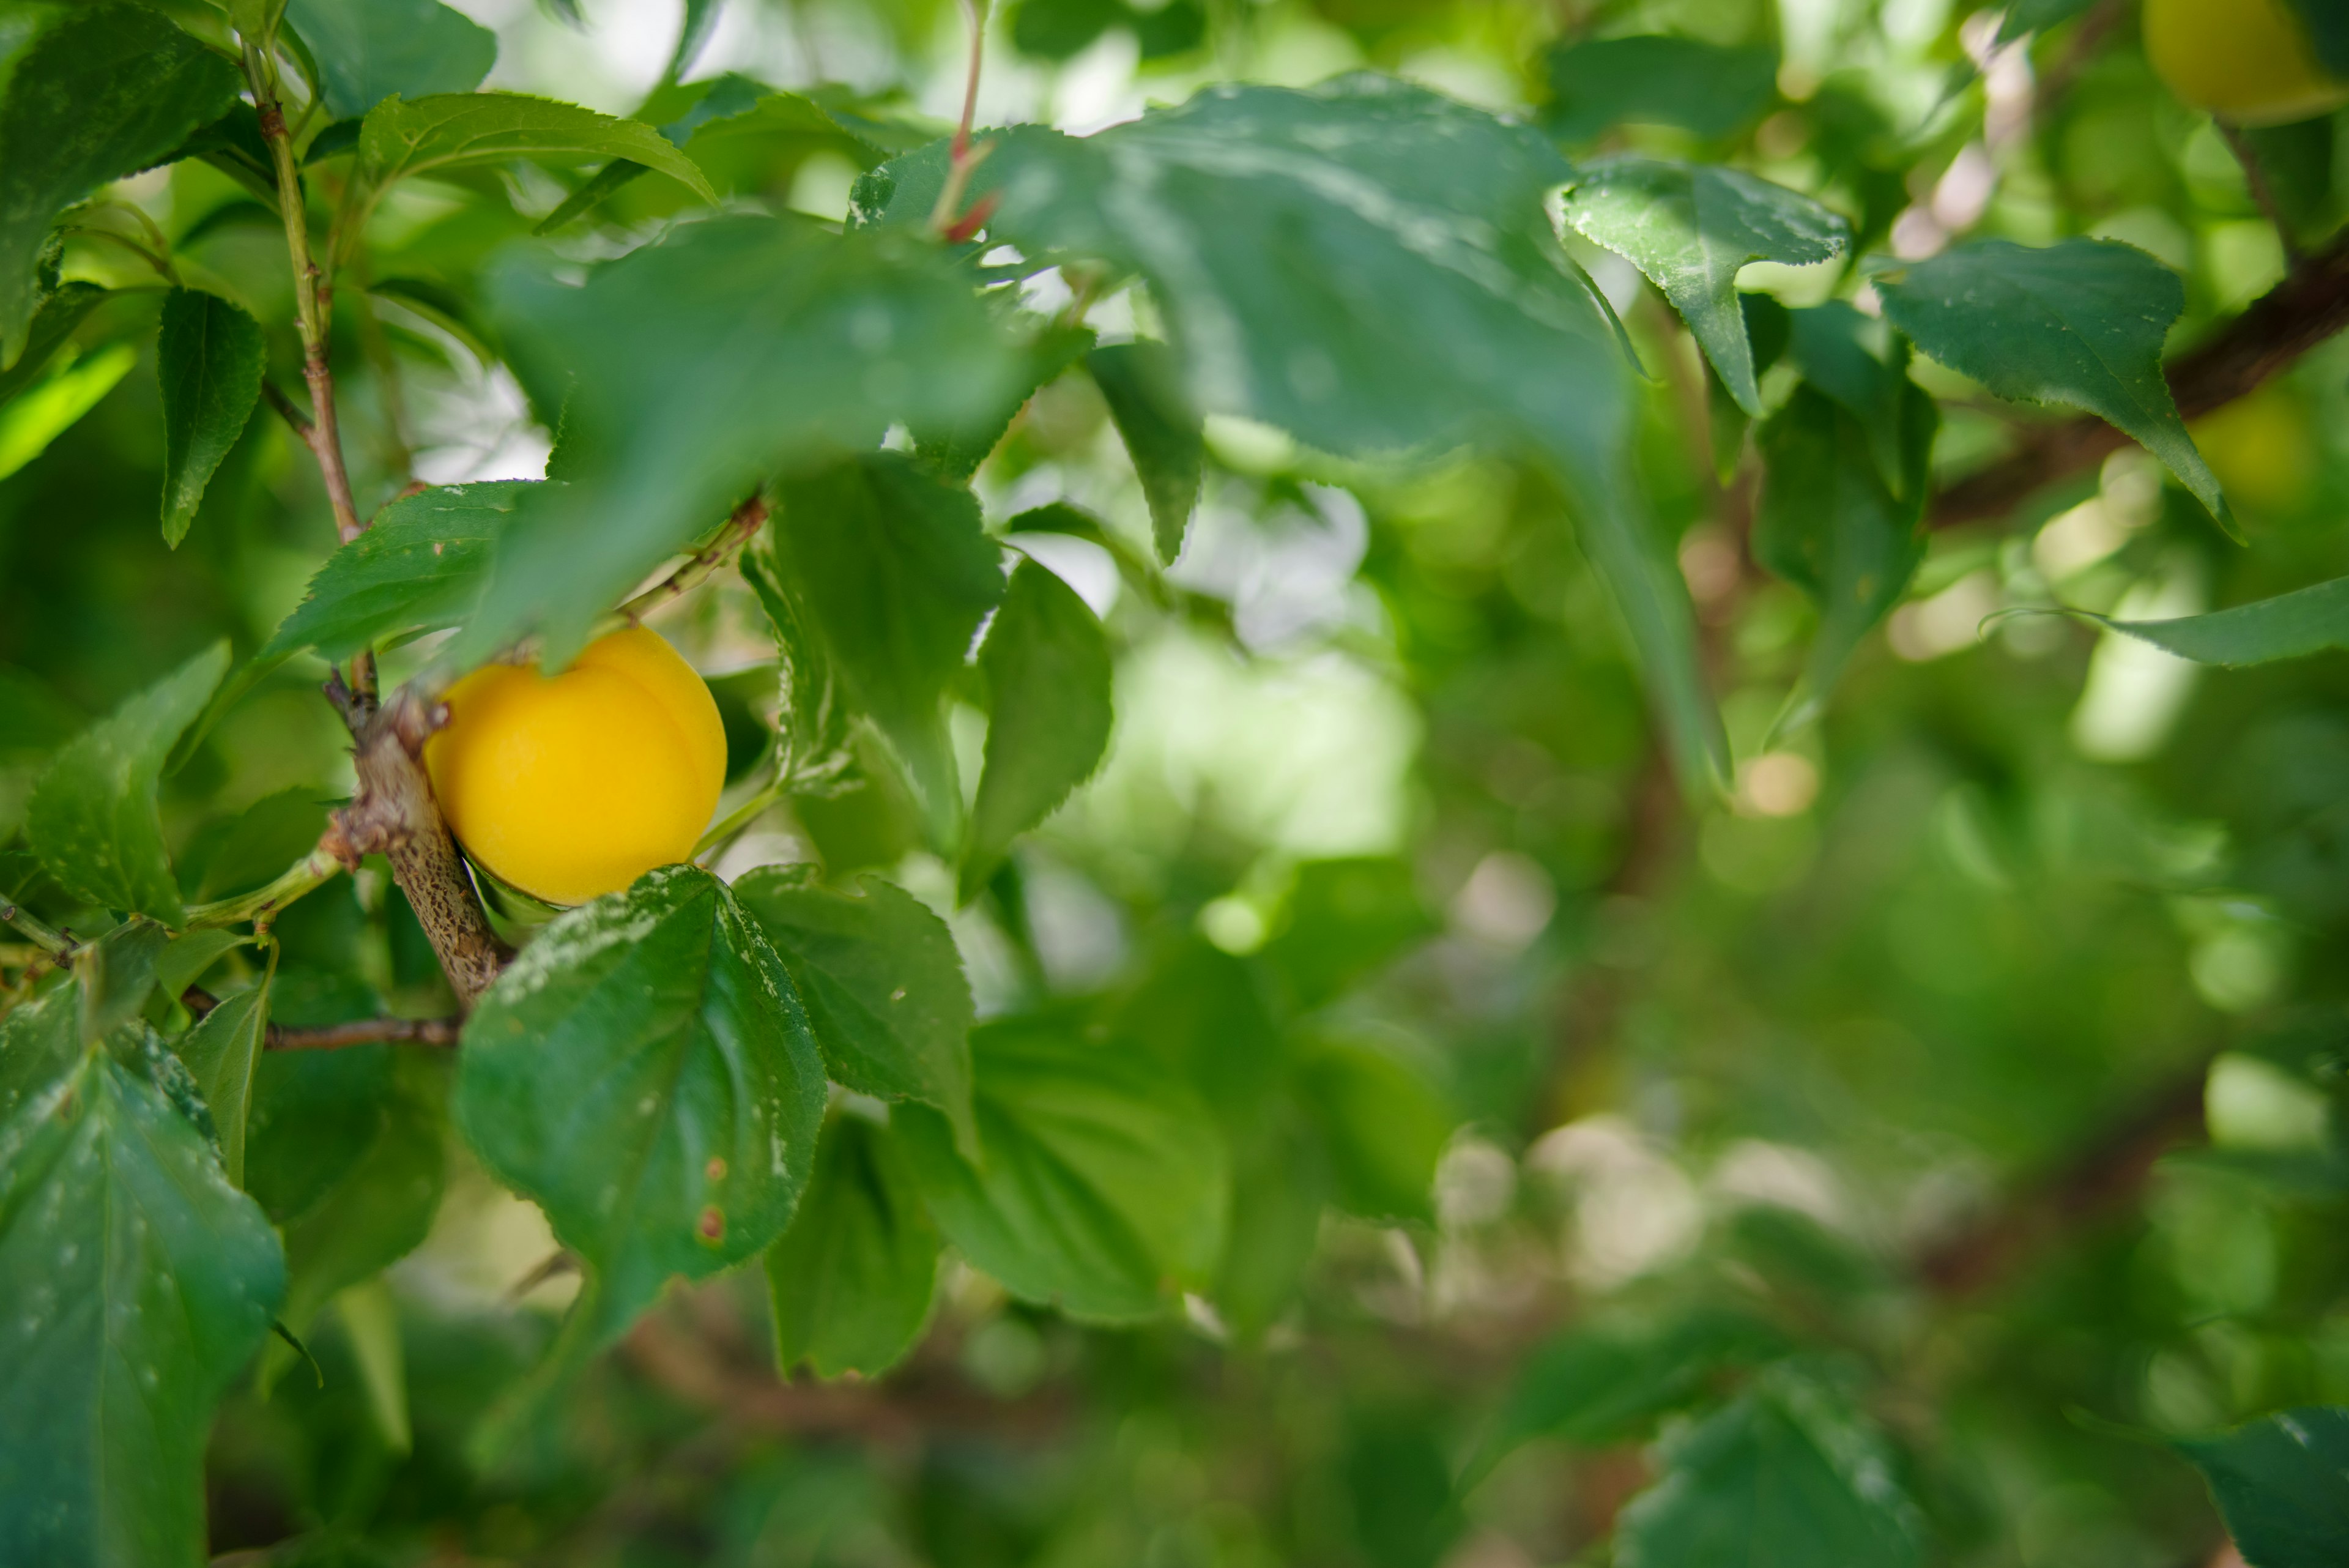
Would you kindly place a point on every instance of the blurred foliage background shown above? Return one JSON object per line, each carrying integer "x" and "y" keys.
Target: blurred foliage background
{"x": 1984, "y": 1043}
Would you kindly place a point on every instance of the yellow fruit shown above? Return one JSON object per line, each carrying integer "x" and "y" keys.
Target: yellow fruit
{"x": 2248, "y": 61}
{"x": 575, "y": 786}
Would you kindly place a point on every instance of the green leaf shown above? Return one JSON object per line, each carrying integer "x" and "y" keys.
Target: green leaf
{"x": 2289, "y": 626}
{"x": 40, "y": 1041}
{"x": 1370, "y": 267}
{"x": 221, "y": 1053}
{"x": 2282, "y": 1483}
{"x": 692, "y": 370}
{"x": 209, "y": 357}
{"x": 1344, "y": 918}
{"x": 1598, "y": 1386}
{"x": 1689, "y": 227}
{"x": 881, "y": 983}
{"x": 1164, "y": 434}
{"x": 183, "y": 961}
{"x": 1783, "y": 1475}
{"x": 33, "y": 719}
{"x": 370, "y": 50}
{"x": 1384, "y": 1128}
{"x": 106, "y": 91}
{"x": 1047, "y": 664}
{"x": 891, "y": 569}
{"x": 59, "y": 314}
{"x": 2080, "y": 324}
{"x": 1862, "y": 365}
{"x": 45, "y": 411}
{"x": 93, "y": 817}
{"x": 1827, "y": 524}
{"x": 1596, "y": 84}
{"x": 139, "y": 1283}
{"x": 419, "y": 567}
{"x": 1104, "y": 1186}
{"x": 117, "y": 975}
{"x": 815, "y": 752}
{"x": 851, "y": 1280}
{"x": 958, "y": 452}
{"x": 700, "y": 20}
{"x": 645, "y": 1072}
{"x": 450, "y": 130}
{"x": 2037, "y": 15}
{"x": 1280, "y": 1183}
{"x": 383, "y": 1204}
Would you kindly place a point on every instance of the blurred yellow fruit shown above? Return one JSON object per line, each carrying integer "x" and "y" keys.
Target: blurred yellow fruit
{"x": 2262, "y": 449}
{"x": 575, "y": 786}
{"x": 2248, "y": 61}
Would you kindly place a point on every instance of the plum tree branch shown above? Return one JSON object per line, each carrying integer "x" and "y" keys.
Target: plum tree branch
{"x": 2309, "y": 306}
{"x": 339, "y": 1036}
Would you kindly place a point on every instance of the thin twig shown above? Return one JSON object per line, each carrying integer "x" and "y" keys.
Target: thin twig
{"x": 740, "y": 526}
{"x": 947, "y": 217}
{"x": 2086, "y": 38}
{"x": 439, "y": 1032}
{"x": 57, "y": 944}
{"x": 295, "y": 417}
{"x": 263, "y": 905}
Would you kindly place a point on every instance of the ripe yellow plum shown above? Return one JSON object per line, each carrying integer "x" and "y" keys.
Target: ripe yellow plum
{"x": 575, "y": 785}
{"x": 2248, "y": 61}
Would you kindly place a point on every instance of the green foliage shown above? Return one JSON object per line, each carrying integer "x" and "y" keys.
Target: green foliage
{"x": 1142, "y": 384}
{"x": 2289, "y": 626}
{"x": 436, "y": 134}
{"x": 657, "y": 1028}
{"x": 419, "y": 567}
{"x": 2283, "y": 1484}
{"x": 138, "y": 1282}
{"x": 221, "y": 1050}
{"x": 1657, "y": 79}
{"x": 851, "y": 1279}
{"x": 211, "y": 354}
{"x": 93, "y": 817}
{"x": 392, "y": 49}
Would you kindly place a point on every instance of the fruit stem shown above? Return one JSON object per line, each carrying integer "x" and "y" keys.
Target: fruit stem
{"x": 723, "y": 830}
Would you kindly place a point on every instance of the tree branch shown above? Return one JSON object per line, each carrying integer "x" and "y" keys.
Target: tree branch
{"x": 2311, "y": 305}
{"x": 745, "y": 521}
{"x": 338, "y": 1037}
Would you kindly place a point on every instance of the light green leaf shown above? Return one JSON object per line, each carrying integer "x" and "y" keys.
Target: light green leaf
{"x": 93, "y": 817}
{"x": 2080, "y": 324}
{"x": 1164, "y": 435}
{"x": 449, "y": 131}
{"x": 33, "y": 719}
{"x": 209, "y": 357}
{"x": 43, "y": 413}
{"x": 890, "y": 566}
{"x": 1384, "y": 1128}
{"x": 815, "y": 752}
{"x": 692, "y": 371}
{"x": 116, "y": 974}
{"x": 221, "y": 1052}
{"x": 139, "y": 1283}
{"x": 370, "y": 1315}
{"x": 1280, "y": 1183}
{"x": 40, "y": 1041}
{"x": 658, "y": 1029}
{"x": 1047, "y": 665}
{"x": 1783, "y": 1475}
{"x": 2282, "y": 1483}
{"x": 183, "y": 963}
{"x": 2289, "y": 626}
{"x": 1105, "y": 1187}
{"x": 851, "y": 1280}
{"x": 59, "y": 314}
{"x": 370, "y": 50}
{"x": 1689, "y": 227}
{"x": 1827, "y": 524}
{"x": 1596, "y": 84}
{"x": 420, "y": 566}
{"x": 104, "y": 91}
{"x": 883, "y": 985}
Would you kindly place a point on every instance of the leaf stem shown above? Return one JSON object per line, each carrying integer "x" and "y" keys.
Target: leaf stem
{"x": 43, "y": 935}
{"x": 725, "y": 828}
{"x": 740, "y": 526}
{"x": 960, "y": 159}
{"x": 260, "y": 906}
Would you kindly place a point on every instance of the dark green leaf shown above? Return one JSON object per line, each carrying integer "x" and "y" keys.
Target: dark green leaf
{"x": 116, "y": 974}
{"x": 890, "y": 567}
{"x": 311, "y": 1114}
{"x": 210, "y": 358}
{"x": 697, "y": 368}
{"x": 1343, "y": 919}
{"x": 1596, "y": 84}
{"x": 221, "y": 1052}
{"x": 419, "y": 567}
{"x": 106, "y": 91}
{"x": 958, "y": 453}
{"x": 656, "y": 1028}
{"x": 2289, "y": 626}
{"x": 1104, "y": 1186}
{"x": 370, "y": 50}
{"x": 183, "y": 961}
{"x": 2080, "y": 324}
{"x": 1690, "y": 227}
{"x": 2282, "y": 1483}
{"x": 1211, "y": 1017}
{"x": 815, "y": 753}
{"x": 1827, "y": 525}
{"x": 450, "y": 130}
{"x": 881, "y": 983}
{"x": 93, "y": 816}
{"x": 1862, "y": 365}
{"x": 272, "y": 834}
{"x": 2037, "y": 15}
{"x": 1384, "y": 1128}
{"x": 851, "y": 1280}
{"x": 1162, "y": 432}
{"x": 138, "y": 1282}
{"x": 379, "y": 1209}
{"x": 1047, "y": 665}
{"x": 1783, "y": 1475}
{"x": 53, "y": 323}
{"x": 1280, "y": 1183}
{"x": 33, "y": 718}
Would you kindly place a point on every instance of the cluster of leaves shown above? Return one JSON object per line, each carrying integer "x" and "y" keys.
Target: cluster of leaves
{"x": 789, "y": 1066}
